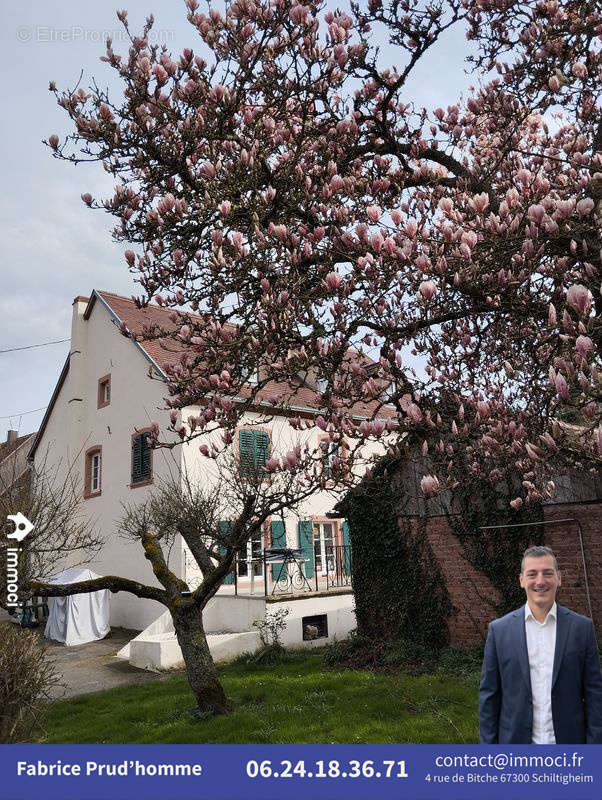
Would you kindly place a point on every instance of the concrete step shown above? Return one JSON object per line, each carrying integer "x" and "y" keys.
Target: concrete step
{"x": 160, "y": 651}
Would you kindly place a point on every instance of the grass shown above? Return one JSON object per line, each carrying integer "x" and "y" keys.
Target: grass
{"x": 296, "y": 701}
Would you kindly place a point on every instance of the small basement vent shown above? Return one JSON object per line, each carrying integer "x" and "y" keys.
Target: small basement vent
{"x": 315, "y": 627}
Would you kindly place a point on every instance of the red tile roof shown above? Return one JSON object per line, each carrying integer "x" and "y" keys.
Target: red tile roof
{"x": 166, "y": 352}
{"x": 6, "y": 448}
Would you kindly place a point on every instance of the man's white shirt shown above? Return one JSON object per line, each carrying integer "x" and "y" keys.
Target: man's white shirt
{"x": 541, "y": 644}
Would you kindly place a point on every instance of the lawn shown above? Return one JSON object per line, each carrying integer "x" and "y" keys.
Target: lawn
{"x": 297, "y": 701}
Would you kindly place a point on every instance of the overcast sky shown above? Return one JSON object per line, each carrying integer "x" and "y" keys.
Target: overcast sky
{"x": 53, "y": 247}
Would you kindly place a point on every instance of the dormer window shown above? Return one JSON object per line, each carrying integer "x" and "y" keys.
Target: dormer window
{"x": 104, "y": 391}
{"x": 250, "y": 374}
{"x": 322, "y": 385}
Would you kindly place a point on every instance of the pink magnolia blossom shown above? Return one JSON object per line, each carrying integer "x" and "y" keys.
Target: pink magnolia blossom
{"x": 299, "y": 14}
{"x": 374, "y": 213}
{"x": 516, "y": 504}
{"x": 429, "y": 485}
{"x": 480, "y": 202}
{"x": 427, "y": 289}
{"x": 584, "y": 346}
{"x": 414, "y": 413}
{"x": 536, "y": 213}
{"x": 579, "y": 298}
{"x": 483, "y": 409}
{"x": 561, "y": 386}
{"x": 585, "y": 206}
{"x": 333, "y": 280}
{"x": 411, "y": 228}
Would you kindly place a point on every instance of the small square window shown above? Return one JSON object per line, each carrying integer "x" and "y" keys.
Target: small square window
{"x": 315, "y": 627}
{"x": 322, "y": 385}
{"x": 104, "y": 391}
{"x": 250, "y": 375}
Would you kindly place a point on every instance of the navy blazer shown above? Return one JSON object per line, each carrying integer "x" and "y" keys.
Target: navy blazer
{"x": 505, "y": 702}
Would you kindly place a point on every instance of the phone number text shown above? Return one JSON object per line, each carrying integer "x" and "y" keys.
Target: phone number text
{"x": 326, "y": 769}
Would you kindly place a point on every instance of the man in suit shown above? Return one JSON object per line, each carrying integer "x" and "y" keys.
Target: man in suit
{"x": 541, "y": 681}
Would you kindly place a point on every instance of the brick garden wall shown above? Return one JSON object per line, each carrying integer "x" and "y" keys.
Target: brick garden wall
{"x": 564, "y": 541}
{"x": 474, "y": 598}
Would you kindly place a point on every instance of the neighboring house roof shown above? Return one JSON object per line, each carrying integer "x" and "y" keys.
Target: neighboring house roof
{"x": 13, "y": 460}
{"x": 6, "y": 448}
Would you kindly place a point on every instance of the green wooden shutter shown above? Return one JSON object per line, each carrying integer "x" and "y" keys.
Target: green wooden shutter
{"x": 306, "y": 543}
{"x": 224, "y": 527}
{"x": 146, "y": 456}
{"x": 262, "y": 448}
{"x": 278, "y": 540}
{"x": 254, "y": 449}
{"x": 141, "y": 458}
{"x": 246, "y": 450}
{"x": 347, "y": 549}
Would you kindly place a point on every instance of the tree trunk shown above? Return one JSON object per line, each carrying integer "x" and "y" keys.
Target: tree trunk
{"x": 200, "y": 669}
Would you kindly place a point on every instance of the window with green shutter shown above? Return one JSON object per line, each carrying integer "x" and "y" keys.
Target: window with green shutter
{"x": 224, "y": 528}
{"x": 254, "y": 449}
{"x": 142, "y": 458}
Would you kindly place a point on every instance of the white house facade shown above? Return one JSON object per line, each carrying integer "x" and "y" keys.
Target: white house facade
{"x": 110, "y": 391}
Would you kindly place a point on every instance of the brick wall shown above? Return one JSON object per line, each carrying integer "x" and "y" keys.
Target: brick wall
{"x": 564, "y": 541}
{"x": 474, "y": 598}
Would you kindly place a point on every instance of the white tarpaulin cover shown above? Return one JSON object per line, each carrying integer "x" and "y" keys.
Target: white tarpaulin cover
{"x": 79, "y": 618}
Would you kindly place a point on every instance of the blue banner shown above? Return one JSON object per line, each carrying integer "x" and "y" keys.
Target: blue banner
{"x": 280, "y": 772}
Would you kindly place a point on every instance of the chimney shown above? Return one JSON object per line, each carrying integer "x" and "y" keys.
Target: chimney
{"x": 77, "y": 374}
{"x": 11, "y": 436}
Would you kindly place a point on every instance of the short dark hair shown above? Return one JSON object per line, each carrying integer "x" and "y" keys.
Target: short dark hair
{"x": 537, "y": 551}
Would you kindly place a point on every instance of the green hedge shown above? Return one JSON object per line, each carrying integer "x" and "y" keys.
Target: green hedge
{"x": 399, "y": 590}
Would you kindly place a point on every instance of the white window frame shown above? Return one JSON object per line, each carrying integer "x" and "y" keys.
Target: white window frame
{"x": 253, "y": 568}
{"x": 322, "y": 540}
{"x": 95, "y": 472}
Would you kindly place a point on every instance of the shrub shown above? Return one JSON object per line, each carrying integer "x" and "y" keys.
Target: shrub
{"x": 403, "y": 655}
{"x": 461, "y": 662}
{"x": 270, "y": 629}
{"x": 26, "y": 676}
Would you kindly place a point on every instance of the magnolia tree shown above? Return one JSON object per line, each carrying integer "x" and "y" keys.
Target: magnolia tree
{"x": 283, "y": 184}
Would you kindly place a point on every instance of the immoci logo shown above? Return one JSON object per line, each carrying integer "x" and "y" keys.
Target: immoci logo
{"x": 23, "y": 527}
